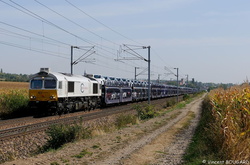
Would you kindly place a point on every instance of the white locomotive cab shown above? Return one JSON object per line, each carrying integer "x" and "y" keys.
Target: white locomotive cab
{"x": 74, "y": 85}
{"x": 63, "y": 93}
{"x": 77, "y": 86}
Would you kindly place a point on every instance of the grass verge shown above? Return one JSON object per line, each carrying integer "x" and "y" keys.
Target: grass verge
{"x": 201, "y": 148}
{"x": 60, "y": 134}
{"x": 13, "y": 103}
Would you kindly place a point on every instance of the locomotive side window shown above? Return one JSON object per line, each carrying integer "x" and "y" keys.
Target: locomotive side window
{"x": 50, "y": 84}
{"x": 36, "y": 84}
{"x": 71, "y": 86}
{"x": 95, "y": 88}
{"x": 60, "y": 85}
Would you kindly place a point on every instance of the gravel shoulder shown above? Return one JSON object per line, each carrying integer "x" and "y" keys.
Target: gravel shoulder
{"x": 161, "y": 140}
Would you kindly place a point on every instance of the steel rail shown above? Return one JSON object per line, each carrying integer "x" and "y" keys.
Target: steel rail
{"x": 37, "y": 127}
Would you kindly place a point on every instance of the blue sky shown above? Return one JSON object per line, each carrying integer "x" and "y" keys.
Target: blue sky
{"x": 208, "y": 40}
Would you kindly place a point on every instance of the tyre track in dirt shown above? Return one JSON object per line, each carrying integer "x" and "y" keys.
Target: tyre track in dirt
{"x": 176, "y": 150}
{"x": 162, "y": 140}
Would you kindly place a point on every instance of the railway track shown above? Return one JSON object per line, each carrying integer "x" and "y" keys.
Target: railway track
{"x": 9, "y": 133}
{"x": 12, "y": 132}
{"x": 5, "y": 124}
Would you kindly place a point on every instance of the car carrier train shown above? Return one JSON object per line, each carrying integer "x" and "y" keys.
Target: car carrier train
{"x": 57, "y": 93}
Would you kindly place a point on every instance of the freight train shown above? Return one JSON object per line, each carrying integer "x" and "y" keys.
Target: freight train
{"x": 57, "y": 93}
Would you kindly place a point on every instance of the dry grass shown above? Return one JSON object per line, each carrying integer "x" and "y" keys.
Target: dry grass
{"x": 13, "y": 85}
{"x": 231, "y": 111}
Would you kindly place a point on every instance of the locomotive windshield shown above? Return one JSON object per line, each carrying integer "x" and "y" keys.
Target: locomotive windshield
{"x": 43, "y": 84}
{"x": 36, "y": 84}
{"x": 49, "y": 84}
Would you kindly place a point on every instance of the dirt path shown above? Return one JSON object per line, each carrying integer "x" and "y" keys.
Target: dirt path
{"x": 162, "y": 145}
{"x": 161, "y": 140}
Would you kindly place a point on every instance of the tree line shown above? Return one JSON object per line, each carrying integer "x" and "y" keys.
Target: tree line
{"x": 13, "y": 77}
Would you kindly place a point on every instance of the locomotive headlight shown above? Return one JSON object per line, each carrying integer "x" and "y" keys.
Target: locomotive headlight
{"x": 32, "y": 97}
{"x": 52, "y": 97}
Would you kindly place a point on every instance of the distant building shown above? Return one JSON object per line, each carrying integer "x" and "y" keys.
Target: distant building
{"x": 182, "y": 82}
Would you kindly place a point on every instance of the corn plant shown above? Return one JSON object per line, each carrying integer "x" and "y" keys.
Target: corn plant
{"x": 231, "y": 111}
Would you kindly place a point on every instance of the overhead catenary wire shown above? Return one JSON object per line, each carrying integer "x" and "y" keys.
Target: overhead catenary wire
{"x": 104, "y": 51}
{"x": 25, "y": 37}
{"x": 168, "y": 67}
{"x": 36, "y": 16}
{"x": 133, "y": 52}
{"x": 77, "y": 24}
{"x": 33, "y": 33}
{"x": 26, "y": 11}
{"x": 81, "y": 58}
{"x": 102, "y": 23}
{"x": 33, "y": 49}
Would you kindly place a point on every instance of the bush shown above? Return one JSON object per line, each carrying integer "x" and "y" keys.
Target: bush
{"x": 169, "y": 103}
{"x": 145, "y": 111}
{"x": 186, "y": 97}
{"x": 61, "y": 134}
{"x": 123, "y": 120}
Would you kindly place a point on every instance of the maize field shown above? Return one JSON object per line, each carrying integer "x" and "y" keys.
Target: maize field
{"x": 13, "y": 99}
{"x": 231, "y": 126}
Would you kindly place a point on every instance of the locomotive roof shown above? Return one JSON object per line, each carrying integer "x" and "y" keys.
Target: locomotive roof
{"x": 61, "y": 76}
{"x": 70, "y": 77}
